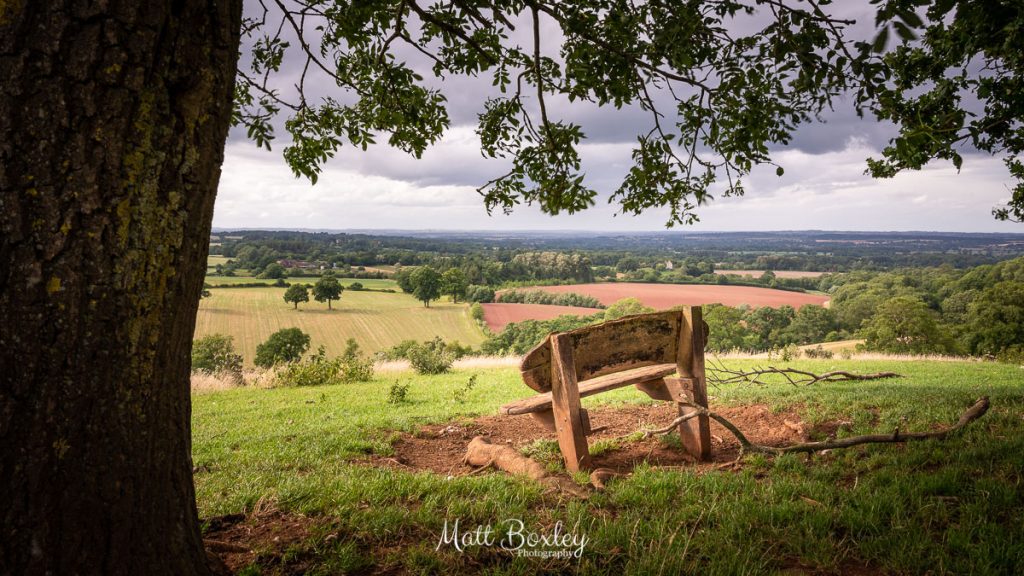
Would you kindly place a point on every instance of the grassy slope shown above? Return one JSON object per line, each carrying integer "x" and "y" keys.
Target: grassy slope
{"x": 952, "y": 507}
{"x": 376, "y": 320}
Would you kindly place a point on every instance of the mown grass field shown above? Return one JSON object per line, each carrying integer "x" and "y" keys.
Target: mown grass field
{"x": 377, "y": 320}
{"x": 936, "y": 507}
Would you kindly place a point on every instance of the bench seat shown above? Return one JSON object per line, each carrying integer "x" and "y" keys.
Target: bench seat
{"x": 542, "y": 402}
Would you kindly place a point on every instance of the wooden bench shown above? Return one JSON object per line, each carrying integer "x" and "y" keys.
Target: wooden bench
{"x": 643, "y": 350}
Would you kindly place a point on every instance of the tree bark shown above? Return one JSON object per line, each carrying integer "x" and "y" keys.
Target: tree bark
{"x": 113, "y": 119}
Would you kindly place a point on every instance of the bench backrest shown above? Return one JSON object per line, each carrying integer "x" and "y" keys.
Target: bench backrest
{"x": 629, "y": 342}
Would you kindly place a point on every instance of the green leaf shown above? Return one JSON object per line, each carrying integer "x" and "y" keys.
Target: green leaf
{"x": 880, "y": 40}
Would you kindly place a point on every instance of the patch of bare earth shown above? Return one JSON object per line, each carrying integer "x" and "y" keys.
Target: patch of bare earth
{"x": 264, "y": 538}
{"x": 440, "y": 448}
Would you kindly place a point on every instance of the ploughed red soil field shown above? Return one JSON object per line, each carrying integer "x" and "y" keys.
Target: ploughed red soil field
{"x": 778, "y": 273}
{"x": 662, "y": 296}
{"x": 497, "y": 316}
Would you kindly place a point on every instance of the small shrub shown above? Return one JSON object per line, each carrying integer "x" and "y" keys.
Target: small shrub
{"x": 789, "y": 352}
{"x": 460, "y": 394}
{"x": 846, "y": 354}
{"x": 216, "y": 354}
{"x": 818, "y": 353}
{"x": 286, "y": 345}
{"x": 476, "y": 311}
{"x": 458, "y": 351}
{"x": 316, "y": 370}
{"x": 399, "y": 351}
{"x": 431, "y": 357}
{"x": 397, "y": 393}
{"x": 354, "y": 367}
{"x": 1012, "y": 355}
{"x": 356, "y": 286}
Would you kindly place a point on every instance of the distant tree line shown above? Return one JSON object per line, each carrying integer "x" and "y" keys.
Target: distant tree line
{"x": 505, "y": 262}
{"x": 978, "y": 312}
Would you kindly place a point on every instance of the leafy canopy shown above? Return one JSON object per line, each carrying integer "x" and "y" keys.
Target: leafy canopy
{"x": 285, "y": 345}
{"x": 721, "y": 80}
{"x": 297, "y": 293}
{"x": 426, "y": 284}
{"x": 327, "y": 288}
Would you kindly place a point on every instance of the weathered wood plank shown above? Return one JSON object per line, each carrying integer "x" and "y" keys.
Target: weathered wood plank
{"x": 542, "y": 402}
{"x": 696, "y": 432}
{"x": 565, "y": 405}
{"x": 622, "y": 344}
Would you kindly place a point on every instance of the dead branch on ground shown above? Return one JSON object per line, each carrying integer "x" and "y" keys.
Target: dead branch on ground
{"x": 718, "y": 374}
{"x": 482, "y": 454}
{"x": 976, "y": 411}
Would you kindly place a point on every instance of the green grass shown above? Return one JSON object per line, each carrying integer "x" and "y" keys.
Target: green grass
{"x": 931, "y": 507}
{"x": 212, "y": 260}
{"x": 377, "y": 320}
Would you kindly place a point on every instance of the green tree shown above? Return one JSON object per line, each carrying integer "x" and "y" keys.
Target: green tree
{"x": 285, "y": 345}
{"x": 426, "y": 284}
{"x": 766, "y": 324}
{"x": 404, "y": 279}
{"x": 995, "y": 319}
{"x": 274, "y": 271}
{"x": 155, "y": 92}
{"x": 810, "y": 324}
{"x": 216, "y": 353}
{"x": 626, "y": 307}
{"x": 297, "y": 293}
{"x": 905, "y": 325}
{"x": 454, "y": 283}
{"x": 726, "y": 330}
{"x": 326, "y": 289}
{"x": 933, "y": 91}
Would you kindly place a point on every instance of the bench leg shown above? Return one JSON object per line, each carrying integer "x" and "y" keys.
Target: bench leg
{"x": 565, "y": 405}
{"x": 696, "y": 432}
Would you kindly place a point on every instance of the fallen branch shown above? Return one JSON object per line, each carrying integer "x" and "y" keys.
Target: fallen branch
{"x": 482, "y": 454}
{"x": 977, "y": 410}
{"x": 720, "y": 375}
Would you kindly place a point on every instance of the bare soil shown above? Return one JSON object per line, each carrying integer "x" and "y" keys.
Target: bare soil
{"x": 663, "y": 296}
{"x": 440, "y": 448}
{"x": 499, "y": 315}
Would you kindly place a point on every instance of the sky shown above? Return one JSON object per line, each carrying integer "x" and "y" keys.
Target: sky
{"x": 824, "y": 186}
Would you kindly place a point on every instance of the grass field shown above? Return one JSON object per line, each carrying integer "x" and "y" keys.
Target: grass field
{"x": 951, "y": 507}
{"x": 377, "y": 320}
{"x": 213, "y": 260}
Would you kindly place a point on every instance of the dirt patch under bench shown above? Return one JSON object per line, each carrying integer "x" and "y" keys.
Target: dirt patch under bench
{"x": 440, "y": 448}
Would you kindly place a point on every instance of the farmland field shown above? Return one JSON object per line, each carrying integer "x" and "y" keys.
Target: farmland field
{"x": 338, "y": 480}
{"x": 778, "y": 273}
{"x": 497, "y": 315}
{"x": 370, "y": 283}
{"x": 376, "y": 320}
{"x": 662, "y": 296}
{"x": 212, "y": 260}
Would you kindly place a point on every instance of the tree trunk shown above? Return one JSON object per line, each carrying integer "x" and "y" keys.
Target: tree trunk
{"x": 113, "y": 118}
